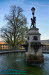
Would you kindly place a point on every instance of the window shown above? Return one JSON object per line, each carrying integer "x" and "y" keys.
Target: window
{"x": 35, "y": 38}
{"x": 28, "y": 38}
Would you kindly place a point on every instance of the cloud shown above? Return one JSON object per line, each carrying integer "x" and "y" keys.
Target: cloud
{"x": 44, "y": 37}
{"x": 40, "y": 4}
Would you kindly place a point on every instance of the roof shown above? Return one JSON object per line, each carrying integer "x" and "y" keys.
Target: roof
{"x": 2, "y": 42}
{"x": 34, "y": 33}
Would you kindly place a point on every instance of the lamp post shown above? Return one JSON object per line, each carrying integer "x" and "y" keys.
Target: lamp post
{"x": 33, "y": 20}
{"x": 33, "y": 11}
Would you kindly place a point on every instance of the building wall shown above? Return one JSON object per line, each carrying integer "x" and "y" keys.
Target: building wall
{"x": 3, "y": 45}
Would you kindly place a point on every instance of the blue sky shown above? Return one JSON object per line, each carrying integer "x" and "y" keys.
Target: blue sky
{"x": 42, "y": 13}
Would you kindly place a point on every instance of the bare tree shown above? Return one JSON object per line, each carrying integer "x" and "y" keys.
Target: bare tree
{"x": 16, "y": 26}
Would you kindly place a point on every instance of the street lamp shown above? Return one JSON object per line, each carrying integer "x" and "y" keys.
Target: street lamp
{"x": 33, "y": 20}
{"x": 33, "y": 10}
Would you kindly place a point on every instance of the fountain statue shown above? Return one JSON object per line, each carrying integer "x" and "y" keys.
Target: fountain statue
{"x": 34, "y": 54}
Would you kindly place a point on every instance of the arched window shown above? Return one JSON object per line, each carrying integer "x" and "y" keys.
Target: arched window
{"x": 28, "y": 38}
{"x": 35, "y": 38}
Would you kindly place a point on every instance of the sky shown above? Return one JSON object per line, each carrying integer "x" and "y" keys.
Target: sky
{"x": 41, "y": 13}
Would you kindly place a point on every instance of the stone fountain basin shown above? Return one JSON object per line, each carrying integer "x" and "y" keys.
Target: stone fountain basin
{"x": 34, "y": 59}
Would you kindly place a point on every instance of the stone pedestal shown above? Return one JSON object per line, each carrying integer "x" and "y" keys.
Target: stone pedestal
{"x": 33, "y": 36}
{"x": 34, "y": 54}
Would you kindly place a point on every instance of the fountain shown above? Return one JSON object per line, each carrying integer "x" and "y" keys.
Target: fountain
{"x": 34, "y": 54}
